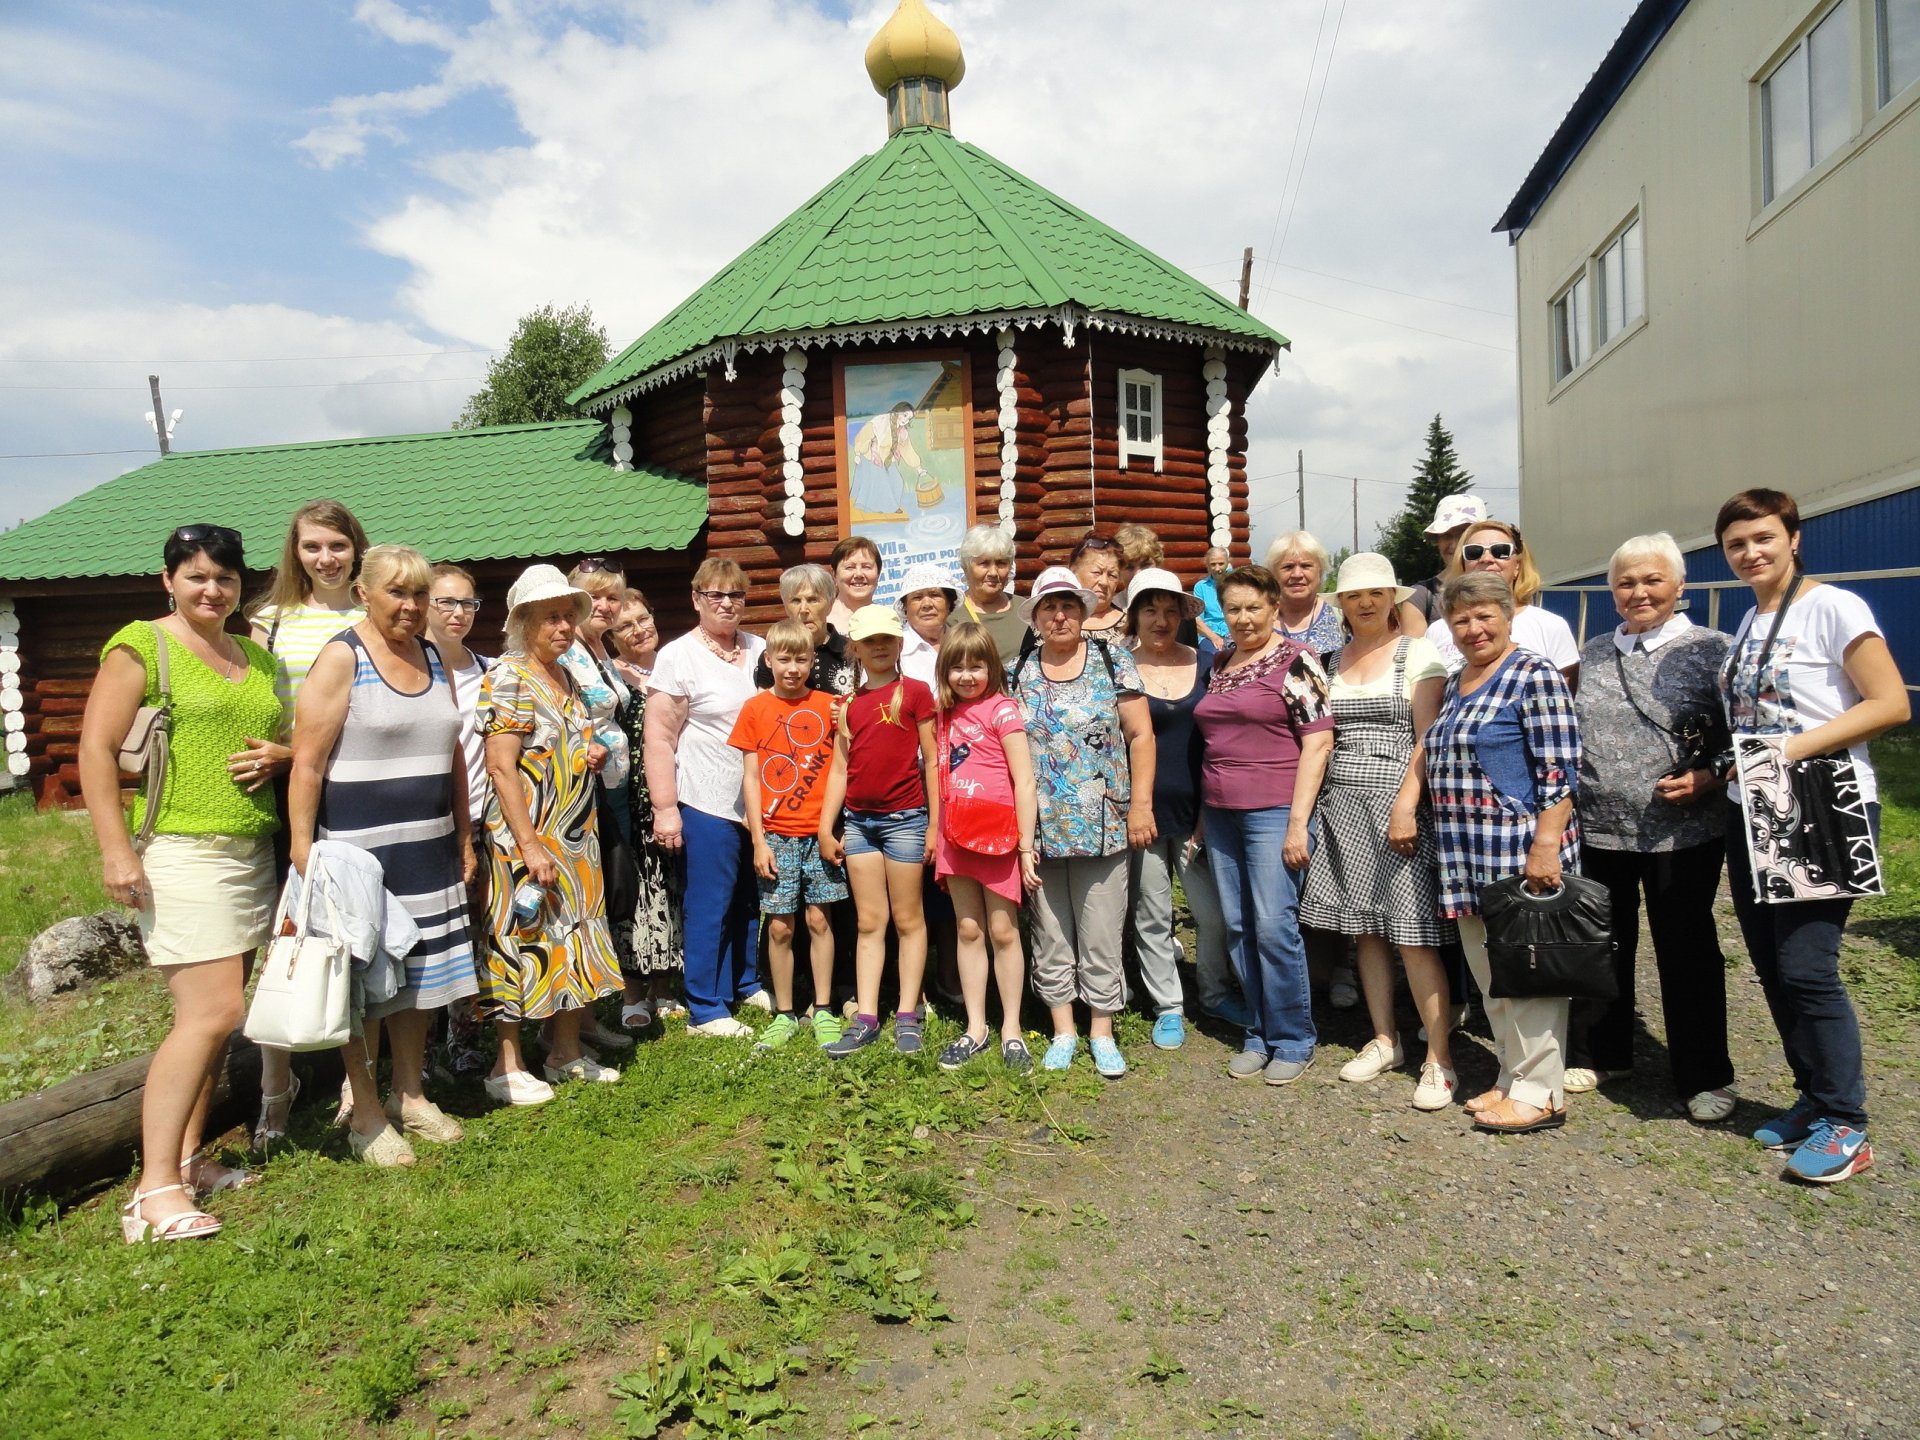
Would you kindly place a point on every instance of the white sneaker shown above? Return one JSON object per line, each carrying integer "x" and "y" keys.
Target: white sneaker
{"x": 518, "y": 1087}
{"x": 724, "y": 1028}
{"x": 1710, "y": 1107}
{"x": 1581, "y": 1079}
{"x": 1343, "y": 990}
{"x": 1456, "y": 1021}
{"x": 586, "y": 1068}
{"x": 1373, "y": 1059}
{"x": 760, "y": 1000}
{"x": 1436, "y": 1087}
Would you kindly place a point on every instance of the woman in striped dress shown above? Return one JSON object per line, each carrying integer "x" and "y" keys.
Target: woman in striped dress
{"x": 377, "y": 763}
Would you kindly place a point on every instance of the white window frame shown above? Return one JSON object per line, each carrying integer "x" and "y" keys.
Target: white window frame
{"x": 1570, "y": 326}
{"x": 1799, "y": 60}
{"x": 1154, "y": 414}
{"x": 1630, "y": 241}
{"x": 1580, "y": 302}
{"x": 1885, "y": 92}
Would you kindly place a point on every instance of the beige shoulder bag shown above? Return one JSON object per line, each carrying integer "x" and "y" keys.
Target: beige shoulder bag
{"x": 145, "y": 747}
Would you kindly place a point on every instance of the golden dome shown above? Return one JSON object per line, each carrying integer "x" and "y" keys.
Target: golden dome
{"x": 914, "y": 42}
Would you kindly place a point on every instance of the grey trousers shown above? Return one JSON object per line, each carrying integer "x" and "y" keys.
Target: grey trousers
{"x": 1079, "y": 918}
{"x": 1526, "y": 1033}
{"x": 1156, "y": 948}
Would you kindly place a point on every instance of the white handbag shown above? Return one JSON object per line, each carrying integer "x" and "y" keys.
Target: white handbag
{"x": 303, "y": 999}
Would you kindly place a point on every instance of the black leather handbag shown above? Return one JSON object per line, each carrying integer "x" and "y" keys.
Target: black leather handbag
{"x": 1555, "y": 944}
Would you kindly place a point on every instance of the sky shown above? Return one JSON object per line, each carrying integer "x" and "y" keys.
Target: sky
{"x": 320, "y": 220}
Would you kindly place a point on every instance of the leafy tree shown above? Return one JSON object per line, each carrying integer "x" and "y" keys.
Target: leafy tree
{"x": 1334, "y": 562}
{"x": 1404, "y": 539}
{"x": 551, "y": 352}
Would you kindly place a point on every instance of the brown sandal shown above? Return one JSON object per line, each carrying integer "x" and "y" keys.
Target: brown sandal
{"x": 1501, "y": 1120}
{"x": 1484, "y": 1100}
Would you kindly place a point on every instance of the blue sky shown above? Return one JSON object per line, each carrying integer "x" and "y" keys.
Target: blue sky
{"x": 193, "y": 186}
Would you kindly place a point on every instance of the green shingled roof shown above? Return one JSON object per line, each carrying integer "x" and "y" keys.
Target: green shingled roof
{"x": 928, "y": 228}
{"x": 487, "y": 494}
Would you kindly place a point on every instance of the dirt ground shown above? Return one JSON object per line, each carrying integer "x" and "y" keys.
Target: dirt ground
{"x": 1208, "y": 1256}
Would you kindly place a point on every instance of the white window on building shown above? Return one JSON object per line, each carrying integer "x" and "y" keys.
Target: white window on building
{"x": 1572, "y": 329}
{"x": 1897, "y": 45}
{"x": 1806, "y": 109}
{"x": 1140, "y": 418}
{"x": 1622, "y": 272}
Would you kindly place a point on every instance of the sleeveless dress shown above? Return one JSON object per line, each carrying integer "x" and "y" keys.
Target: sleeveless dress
{"x": 657, "y": 946}
{"x": 1356, "y": 885}
{"x": 389, "y": 790}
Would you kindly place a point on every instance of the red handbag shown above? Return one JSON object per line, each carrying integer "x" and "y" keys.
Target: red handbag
{"x": 984, "y": 827}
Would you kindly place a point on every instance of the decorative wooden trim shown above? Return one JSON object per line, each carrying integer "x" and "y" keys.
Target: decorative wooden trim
{"x": 13, "y": 720}
{"x": 1219, "y": 447}
{"x": 1155, "y": 449}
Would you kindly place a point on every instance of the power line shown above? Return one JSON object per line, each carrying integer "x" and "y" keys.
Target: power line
{"x": 1382, "y": 320}
{"x": 1326, "y": 78}
{"x": 67, "y": 454}
{"x": 1299, "y": 123}
{"x": 276, "y": 385}
{"x": 237, "y": 360}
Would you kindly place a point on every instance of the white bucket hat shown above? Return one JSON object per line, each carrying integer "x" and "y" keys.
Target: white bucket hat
{"x": 545, "y": 582}
{"x": 1368, "y": 571}
{"x": 1057, "y": 580}
{"x": 927, "y": 575}
{"x": 1455, "y": 511}
{"x": 1153, "y": 578}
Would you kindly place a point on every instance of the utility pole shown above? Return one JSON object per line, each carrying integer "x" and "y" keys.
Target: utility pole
{"x": 1246, "y": 276}
{"x": 159, "y": 415}
{"x": 1356, "y": 515}
{"x": 1300, "y": 463}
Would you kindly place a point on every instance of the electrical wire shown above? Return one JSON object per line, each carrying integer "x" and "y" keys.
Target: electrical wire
{"x": 68, "y": 454}
{"x": 274, "y": 385}
{"x": 237, "y": 360}
{"x": 1326, "y": 78}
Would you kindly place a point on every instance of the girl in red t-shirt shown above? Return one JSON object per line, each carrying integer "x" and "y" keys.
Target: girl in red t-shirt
{"x": 986, "y": 771}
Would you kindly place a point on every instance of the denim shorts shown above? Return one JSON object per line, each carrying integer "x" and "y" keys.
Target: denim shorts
{"x": 801, "y": 876}
{"x": 897, "y": 834}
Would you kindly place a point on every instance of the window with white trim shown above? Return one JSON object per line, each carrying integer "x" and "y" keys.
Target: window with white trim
{"x": 1622, "y": 274}
{"x": 1605, "y": 298}
{"x": 1806, "y": 104}
{"x": 1572, "y": 329}
{"x": 1140, "y": 417}
{"x": 1896, "y": 46}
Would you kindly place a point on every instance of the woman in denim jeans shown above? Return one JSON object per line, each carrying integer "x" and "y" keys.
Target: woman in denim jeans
{"x": 1266, "y": 732}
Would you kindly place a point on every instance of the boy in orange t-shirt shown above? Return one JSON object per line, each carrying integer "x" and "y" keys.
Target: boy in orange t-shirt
{"x": 788, "y": 736}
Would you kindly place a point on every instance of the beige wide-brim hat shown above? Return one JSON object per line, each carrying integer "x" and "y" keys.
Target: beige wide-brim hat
{"x": 1153, "y": 579}
{"x": 545, "y": 582}
{"x": 1368, "y": 571}
{"x": 1057, "y": 580}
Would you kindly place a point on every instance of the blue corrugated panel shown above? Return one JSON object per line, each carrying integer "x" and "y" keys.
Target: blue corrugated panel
{"x": 1882, "y": 534}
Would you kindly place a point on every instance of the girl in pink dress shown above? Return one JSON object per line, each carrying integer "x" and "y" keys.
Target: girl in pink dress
{"x": 983, "y": 758}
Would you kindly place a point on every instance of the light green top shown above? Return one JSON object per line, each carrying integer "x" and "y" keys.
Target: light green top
{"x": 212, "y": 718}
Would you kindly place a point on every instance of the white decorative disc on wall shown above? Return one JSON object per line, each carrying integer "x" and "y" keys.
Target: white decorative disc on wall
{"x": 1006, "y": 489}
{"x": 1214, "y": 370}
{"x": 1006, "y": 525}
{"x": 1003, "y": 378}
{"x": 793, "y": 392}
{"x": 793, "y": 470}
{"x": 622, "y": 432}
{"x": 794, "y": 380}
{"x": 795, "y": 359}
{"x": 17, "y": 764}
{"x": 1218, "y": 474}
{"x": 621, "y": 415}
{"x": 1006, "y": 512}
{"x": 1009, "y": 453}
{"x": 794, "y": 525}
{"x": 790, "y": 434}
{"x": 1222, "y": 537}
{"x": 16, "y": 743}
{"x": 9, "y": 699}
{"x": 790, "y": 414}
{"x": 793, "y": 506}
{"x": 1009, "y": 399}
{"x": 1006, "y": 357}
{"x": 1219, "y": 405}
{"x": 1009, "y": 470}
{"x": 795, "y": 488}
{"x": 1009, "y": 422}
{"x": 623, "y": 452}
{"x": 9, "y": 662}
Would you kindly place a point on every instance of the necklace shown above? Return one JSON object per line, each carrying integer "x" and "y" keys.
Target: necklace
{"x": 1154, "y": 675}
{"x": 731, "y": 656}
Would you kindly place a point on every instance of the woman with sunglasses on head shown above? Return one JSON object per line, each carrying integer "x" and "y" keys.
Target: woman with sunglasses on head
{"x": 310, "y": 601}
{"x": 700, "y": 684}
{"x": 203, "y": 886}
{"x": 1095, "y": 563}
{"x": 1810, "y": 661}
{"x": 1496, "y": 547}
{"x": 657, "y": 946}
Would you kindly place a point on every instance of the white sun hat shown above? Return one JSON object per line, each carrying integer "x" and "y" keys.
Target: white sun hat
{"x": 1153, "y": 578}
{"x": 1368, "y": 571}
{"x": 545, "y": 582}
{"x": 1455, "y": 511}
{"x": 1057, "y": 580}
{"x": 927, "y": 575}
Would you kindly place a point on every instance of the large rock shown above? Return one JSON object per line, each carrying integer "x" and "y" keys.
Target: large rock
{"x": 77, "y": 952}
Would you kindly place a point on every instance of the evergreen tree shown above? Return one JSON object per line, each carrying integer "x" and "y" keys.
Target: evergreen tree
{"x": 1404, "y": 539}
{"x": 551, "y": 352}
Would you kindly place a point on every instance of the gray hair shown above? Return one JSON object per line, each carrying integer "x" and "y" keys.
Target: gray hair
{"x": 1298, "y": 542}
{"x": 1476, "y": 587}
{"x": 986, "y": 542}
{"x": 1659, "y": 547}
{"x": 816, "y": 578}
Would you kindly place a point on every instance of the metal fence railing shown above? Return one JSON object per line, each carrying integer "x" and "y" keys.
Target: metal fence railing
{"x": 1714, "y": 589}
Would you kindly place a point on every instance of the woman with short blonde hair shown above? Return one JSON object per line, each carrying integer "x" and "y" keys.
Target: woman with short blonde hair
{"x": 1496, "y": 547}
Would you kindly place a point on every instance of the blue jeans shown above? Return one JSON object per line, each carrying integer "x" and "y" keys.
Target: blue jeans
{"x": 900, "y": 835}
{"x": 722, "y": 915}
{"x": 1260, "y": 905}
{"x": 1795, "y": 951}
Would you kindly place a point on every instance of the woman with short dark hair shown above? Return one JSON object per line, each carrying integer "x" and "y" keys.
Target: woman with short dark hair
{"x": 857, "y": 567}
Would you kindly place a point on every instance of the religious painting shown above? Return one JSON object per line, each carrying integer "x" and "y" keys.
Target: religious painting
{"x": 905, "y": 474}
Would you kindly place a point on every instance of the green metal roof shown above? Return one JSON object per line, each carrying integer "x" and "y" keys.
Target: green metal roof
{"x": 929, "y": 228}
{"x": 495, "y": 493}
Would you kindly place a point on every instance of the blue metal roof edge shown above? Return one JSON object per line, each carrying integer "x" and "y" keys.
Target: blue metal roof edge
{"x": 1644, "y": 30}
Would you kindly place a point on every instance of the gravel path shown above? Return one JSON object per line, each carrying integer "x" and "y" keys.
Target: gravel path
{"x": 1208, "y": 1256}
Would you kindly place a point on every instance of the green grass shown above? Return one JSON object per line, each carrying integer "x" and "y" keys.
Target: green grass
{"x": 49, "y": 869}
{"x": 1887, "y": 982}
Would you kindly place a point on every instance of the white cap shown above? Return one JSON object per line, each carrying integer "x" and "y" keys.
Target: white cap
{"x": 1455, "y": 511}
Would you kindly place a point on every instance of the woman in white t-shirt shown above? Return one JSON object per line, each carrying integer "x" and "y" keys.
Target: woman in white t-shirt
{"x": 1497, "y": 547}
{"x": 699, "y": 684}
{"x": 1829, "y": 683}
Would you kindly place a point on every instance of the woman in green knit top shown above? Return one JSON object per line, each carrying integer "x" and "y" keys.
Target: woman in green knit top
{"x": 203, "y": 886}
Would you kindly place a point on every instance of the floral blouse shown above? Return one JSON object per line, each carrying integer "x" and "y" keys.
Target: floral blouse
{"x": 1081, "y": 768}
{"x": 1495, "y": 760}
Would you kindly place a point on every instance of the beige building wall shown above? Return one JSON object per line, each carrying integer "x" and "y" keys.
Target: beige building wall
{"x": 1781, "y": 345}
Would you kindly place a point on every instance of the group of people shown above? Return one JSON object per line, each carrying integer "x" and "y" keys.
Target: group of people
{"x": 1338, "y": 769}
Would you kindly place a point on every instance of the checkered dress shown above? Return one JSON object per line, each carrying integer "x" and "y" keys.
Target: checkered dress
{"x": 1495, "y": 760}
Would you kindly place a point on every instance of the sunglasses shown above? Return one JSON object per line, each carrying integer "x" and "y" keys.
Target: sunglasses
{"x": 200, "y": 534}
{"x": 1502, "y": 551}
{"x": 448, "y": 605}
{"x": 1098, "y": 542}
{"x": 593, "y": 564}
{"x": 717, "y": 597}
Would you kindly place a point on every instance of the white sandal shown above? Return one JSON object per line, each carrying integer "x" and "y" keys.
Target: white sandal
{"x": 136, "y": 1229}
{"x": 225, "y": 1177}
{"x": 265, "y": 1132}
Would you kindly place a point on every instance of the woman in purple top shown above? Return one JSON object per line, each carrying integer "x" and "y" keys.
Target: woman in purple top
{"x": 1266, "y": 732}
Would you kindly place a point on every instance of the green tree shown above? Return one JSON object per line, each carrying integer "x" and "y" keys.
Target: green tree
{"x": 1404, "y": 539}
{"x": 551, "y": 352}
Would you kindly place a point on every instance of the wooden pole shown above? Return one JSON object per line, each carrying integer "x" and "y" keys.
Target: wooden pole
{"x": 159, "y": 414}
{"x": 1246, "y": 276}
{"x": 1300, "y": 464}
{"x": 1356, "y": 515}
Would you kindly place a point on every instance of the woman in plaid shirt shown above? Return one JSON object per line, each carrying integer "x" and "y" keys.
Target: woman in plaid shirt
{"x": 1500, "y": 766}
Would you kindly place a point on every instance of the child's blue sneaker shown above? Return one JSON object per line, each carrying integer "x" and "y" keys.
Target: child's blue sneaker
{"x": 856, "y": 1036}
{"x": 1790, "y": 1127}
{"x": 1169, "y": 1030}
{"x": 1832, "y": 1152}
{"x": 1060, "y": 1053}
{"x": 1107, "y": 1058}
